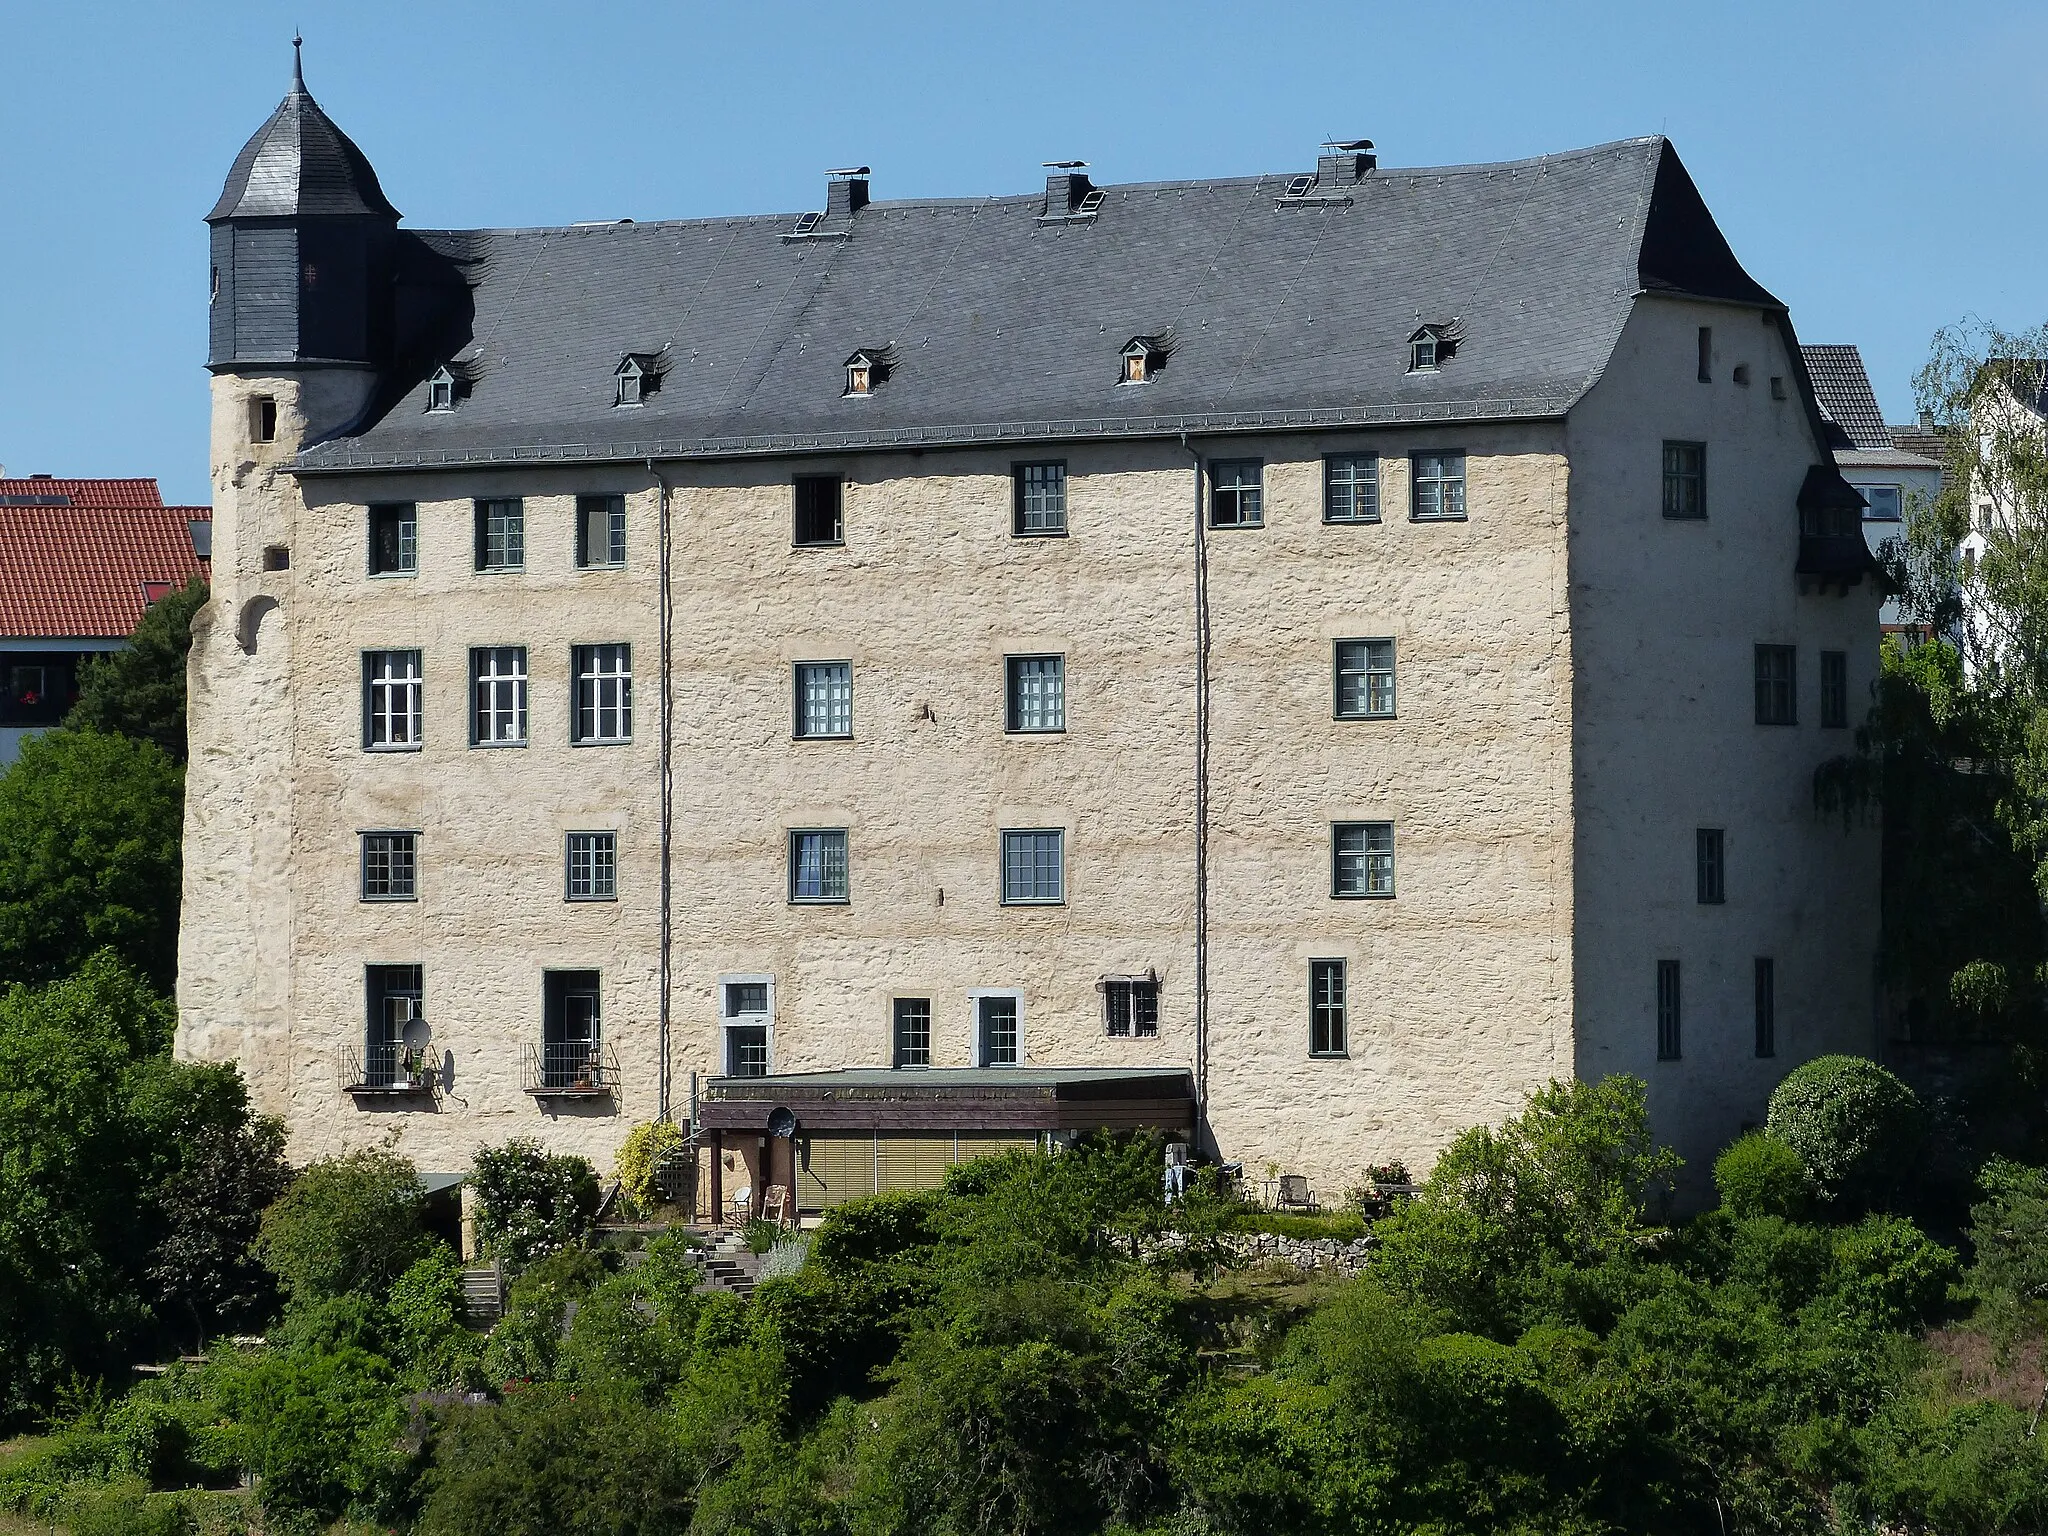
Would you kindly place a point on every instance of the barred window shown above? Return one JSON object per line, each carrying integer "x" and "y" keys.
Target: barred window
{"x": 497, "y": 685}
{"x": 1777, "y": 677}
{"x": 1237, "y": 493}
{"x": 391, "y": 701}
{"x": 604, "y": 693}
{"x": 501, "y": 534}
{"x": 1351, "y": 488}
{"x": 1034, "y": 868}
{"x": 1685, "y": 480}
{"x": 817, "y": 866}
{"x": 1326, "y": 1008}
{"x": 592, "y": 866}
{"x": 913, "y": 1030}
{"x": 1436, "y": 487}
{"x": 389, "y": 866}
{"x": 824, "y": 698}
{"x": 1041, "y": 500}
{"x": 1037, "y": 689}
{"x": 1668, "y": 1011}
{"x": 600, "y": 531}
{"x": 1132, "y": 1006}
{"x": 996, "y": 1020}
{"x": 394, "y": 539}
{"x": 1362, "y": 859}
{"x": 1365, "y": 679}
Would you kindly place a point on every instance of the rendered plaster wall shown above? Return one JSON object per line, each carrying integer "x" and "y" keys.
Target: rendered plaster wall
{"x": 1665, "y": 616}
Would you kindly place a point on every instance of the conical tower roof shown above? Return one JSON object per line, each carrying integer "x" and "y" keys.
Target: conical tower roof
{"x": 299, "y": 163}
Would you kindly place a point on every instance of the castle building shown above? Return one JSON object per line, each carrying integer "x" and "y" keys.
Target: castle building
{"x": 1297, "y": 661}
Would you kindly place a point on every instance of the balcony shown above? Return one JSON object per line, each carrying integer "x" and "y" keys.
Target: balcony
{"x": 571, "y": 1069}
{"x": 388, "y": 1071}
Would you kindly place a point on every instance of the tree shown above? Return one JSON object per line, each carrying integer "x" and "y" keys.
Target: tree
{"x": 1855, "y": 1127}
{"x": 530, "y": 1202}
{"x": 140, "y": 692}
{"x": 346, "y": 1224}
{"x": 89, "y": 857}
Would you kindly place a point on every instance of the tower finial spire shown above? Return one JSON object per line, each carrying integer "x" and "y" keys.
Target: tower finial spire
{"x": 298, "y": 72}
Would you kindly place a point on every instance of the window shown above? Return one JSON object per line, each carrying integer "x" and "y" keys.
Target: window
{"x": 1668, "y": 1019}
{"x": 1422, "y": 354}
{"x": 571, "y": 1038}
{"x": 277, "y": 557}
{"x": 913, "y": 1031}
{"x": 1362, "y": 859}
{"x": 818, "y": 515}
{"x": 497, "y": 689}
{"x": 996, "y": 1030}
{"x": 394, "y": 998}
{"x": 389, "y": 870}
{"x": 824, "y": 699}
{"x": 1237, "y": 493}
{"x": 501, "y": 534}
{"x": 1766, "y": 1006}
{"x": 1436, "y": 491}
{"x": 600, "y": 531}
{"x": 391, "y": 701}
{"x": 592, "y": 866}
{"x": 746, "y": 1013}
{"x": 1685, "y": 480}
{"x": 1033, "y": 868}
{"x": 1709, "y": 867}
{"x": 817, "y": 866}
{"x": 262, "y": 419}
{"x": 1041, "y": 500}
{"x": 1131, "y": 1006}
{"x": 395, "y": 539}
{"x": 604, "y": 694}
{"x": 441, "y": 390}
{"x": 1364, "y": 680}
{"x": 1706, "y": 357}
{"x": 1326, "y": 1012}
{"x": 1037, "y": 693}
{"x": 1777, "y": 694}
{"x": 1351, "y": 488}
{"x": 1886, "y": 503}
{"x": 1834, "y": 689}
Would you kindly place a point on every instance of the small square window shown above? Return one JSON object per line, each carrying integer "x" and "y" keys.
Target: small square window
{"x": 1040, "y": 500}
{"x": 1710, "y": 866}
{"x": 592, "y": 862}
{"x": 824, "y": 699}
{"x": 1351, "y": 488}
{"x": 1131, "y": 1007}
{"x": 395, "y": 539}
{"x": 817, "y": 866}
{"x": 1884, "y": 503}
{"x": 1685, "y": 480}
{"x": 1668, "y": 1011}
{"x": 391, "y": 701}
{"x": 1766, "y": 1006}
{"x": 1237, "y": 493}
{"x": 1034, "y": 868}
{"x": 999, "y": 1039}
{"x": 603, "y": 707}
{"x": 912, "y": 1020}
{"x": 390, "y": 868}
{"x": 1834, "y": 690}
{"x": 1037, "y": 694}
{"x": 1362, "y": 859}
{"x": 277, "y": 557}
{"x": 745, "y": 998}
{"x": 497, "y": 685}
{"x": 819, "y": 519}
{"x": 600, "y": 531}
{"x": 1777, "y": 691}
{"x": 1436, "y": 490}
{"x": 501, "y": 534}
{"x": 1327, "y": 1021}
{"x": 1364, "y": 680}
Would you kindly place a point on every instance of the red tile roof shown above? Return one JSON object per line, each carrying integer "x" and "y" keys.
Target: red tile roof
{"x": 82, "y": 559}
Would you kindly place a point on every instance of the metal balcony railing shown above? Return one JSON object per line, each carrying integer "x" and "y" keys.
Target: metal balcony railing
{"x": 571, "y": 1068}
{"x": 387, "y": 1067}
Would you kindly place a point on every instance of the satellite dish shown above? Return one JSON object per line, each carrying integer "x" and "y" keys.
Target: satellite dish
{"x": 781, "y": 1122}
{"x": 416, "y": 1034}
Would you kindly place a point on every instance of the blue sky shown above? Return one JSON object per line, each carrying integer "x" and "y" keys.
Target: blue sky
{"x": 1877, "y": 165}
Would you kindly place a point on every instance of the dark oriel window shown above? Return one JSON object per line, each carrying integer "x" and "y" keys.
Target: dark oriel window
{"x": 395, "y": 539}
{"x": 501, "y": 534}
{"x": 824, "y": 699}
{"x": 497, "y": 687}
{"x": 1685, "y": 480}
{"x": 1364, "y": 679}
{"x": 603, "y": 710}
{"x": 1237, "y": 493}
{"x": 600, "y": 531}
{"x": 1034, "y": 868}
{"x": 1777, "y": 685}
{"x": 1326, "y": 1008}
{"x": 592, "y": 866}
{"x": 1436, "y": 491}
{"x": 996, "y": 1031}
{"x": 1041, "y": 500}
{"x": 1766, "y": 1006}
{"x": 1036, "y": 689}
{"x": 818, "y": 511}
{"x": 1710, "y": 866}
{"x": 913, "y": 1030}
{"x": 1131, "y": 1006}
{"x": 817, "y": 866}
{"x": 1351, "y": 488}
{"x": 391, "y": 701}
{"x": 1834, "y": 689}
{"x": 1668, "y": 1010}
{"x": 390, "y": 868}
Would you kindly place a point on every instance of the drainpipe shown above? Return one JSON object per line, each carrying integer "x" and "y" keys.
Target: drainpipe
{"x": 667, "y": 802}
{"x": 1201, "y": 794}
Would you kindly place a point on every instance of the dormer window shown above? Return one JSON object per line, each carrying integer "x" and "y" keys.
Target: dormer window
{"x": 636, "y": 378}
{"x": 1422, "y": 354}
{"x": 1143, "y": 356}
{"x": 865, "y": 371}
{"x": 441, "y": 389}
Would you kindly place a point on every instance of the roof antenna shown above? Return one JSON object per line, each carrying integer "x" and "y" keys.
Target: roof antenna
{"x": 298, "y": 74}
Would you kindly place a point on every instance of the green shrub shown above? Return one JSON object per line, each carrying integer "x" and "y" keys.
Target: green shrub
{"x": 875, "y": 1229}
{"x": 1890, "y": 1275}
{"x": 525, "y": 1345}
{"x": 1786, "y": 1262}
{"x": 1342, "y": 1225}
{"x": 761, "y": 1235}
{"x": 2009, "y": 1231}
{"x": 640, "y": 1154}
{"x": 127, "y": 1508}
{"x": 1762, "y": 1176}
{"x": 346, "y": 1224}
{"x": 531, "y": 1202}
{"x": 428, "y": 1338}
{"x": 1857, "y": 1129}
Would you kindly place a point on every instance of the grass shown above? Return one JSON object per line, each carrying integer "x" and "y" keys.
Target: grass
{"x": 1342, "y": 1225}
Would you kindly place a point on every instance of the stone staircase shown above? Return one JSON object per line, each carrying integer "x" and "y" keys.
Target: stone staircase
{"x": 727, "y": 1265}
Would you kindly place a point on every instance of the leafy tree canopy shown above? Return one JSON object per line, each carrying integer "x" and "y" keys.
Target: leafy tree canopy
{"x": 346, "y": 1224}
{"x": 140, "y": 692}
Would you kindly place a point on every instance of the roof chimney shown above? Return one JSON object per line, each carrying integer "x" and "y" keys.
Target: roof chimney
{"x": 846, "y": 193}
{"x": 1065, "y": 186}
{"x": 1344, "y": 160}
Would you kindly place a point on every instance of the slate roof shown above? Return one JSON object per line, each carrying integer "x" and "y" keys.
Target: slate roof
{"x": 1846, "y": 398}
{"x": 300, "y": 163}
{"x": 79, "y": 570}
{"x": 1003, "y": 328}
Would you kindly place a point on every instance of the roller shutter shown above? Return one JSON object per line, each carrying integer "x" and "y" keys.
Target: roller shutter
{"x": 841, "y": 1168}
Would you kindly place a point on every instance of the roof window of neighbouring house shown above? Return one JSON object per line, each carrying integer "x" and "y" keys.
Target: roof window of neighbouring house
{"x": 637, "y": 376}
{"x": 1430, "y": 347}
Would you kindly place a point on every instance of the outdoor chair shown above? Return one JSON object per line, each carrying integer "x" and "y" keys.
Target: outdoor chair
{"x": 1295, "y": 1195}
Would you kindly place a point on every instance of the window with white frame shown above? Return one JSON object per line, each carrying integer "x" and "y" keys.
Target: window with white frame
{"x": 1131, "y": 1006}
{"x": 1034, "y": 867}
{"x": 745, "y": 1004}
{"x": 390, "y": 867}
{"x": 600, "y": 531}
{"x": 999, "y": 1035}
{"x": 1041, "y": 500}
{"x": 391, "y": 701}
{"x": 817, "y": 865}
{"x": 824, "y": 699}
{"x": 497, "y": 687}
{"x": 1037, "y": 693}
{"x": 1328, "y": 1018}
{"x": 1237, "y": 493}
{"x": 604, "y": 694}
{"x": 1436, "y": 488}
{"x": 1886, "y": 503}
{"x": 501, "y": 534}
{"x": 1351, "y": 488}
{"x": 1364, "y": 679}
{"x": 592, "y": 866}
{"x": 1362, "y": 859}
{"x": 395, "y": 539}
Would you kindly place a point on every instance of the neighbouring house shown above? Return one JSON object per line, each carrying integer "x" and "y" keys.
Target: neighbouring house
{"x": 79, "y": 562}
{"x": 1292, "y": 661}
{"x": 1890, "y": 467}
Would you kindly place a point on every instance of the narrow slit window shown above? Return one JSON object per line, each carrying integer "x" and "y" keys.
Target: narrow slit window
{"x": 1766, "y": 1006}
{"x": 1669, "y": 1011}
{"x": 1706, "y": 354}
{"x": 1327, "y": 1011}
{"x": 1834, "y": 690}
{"x": 1710, "y": 866}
